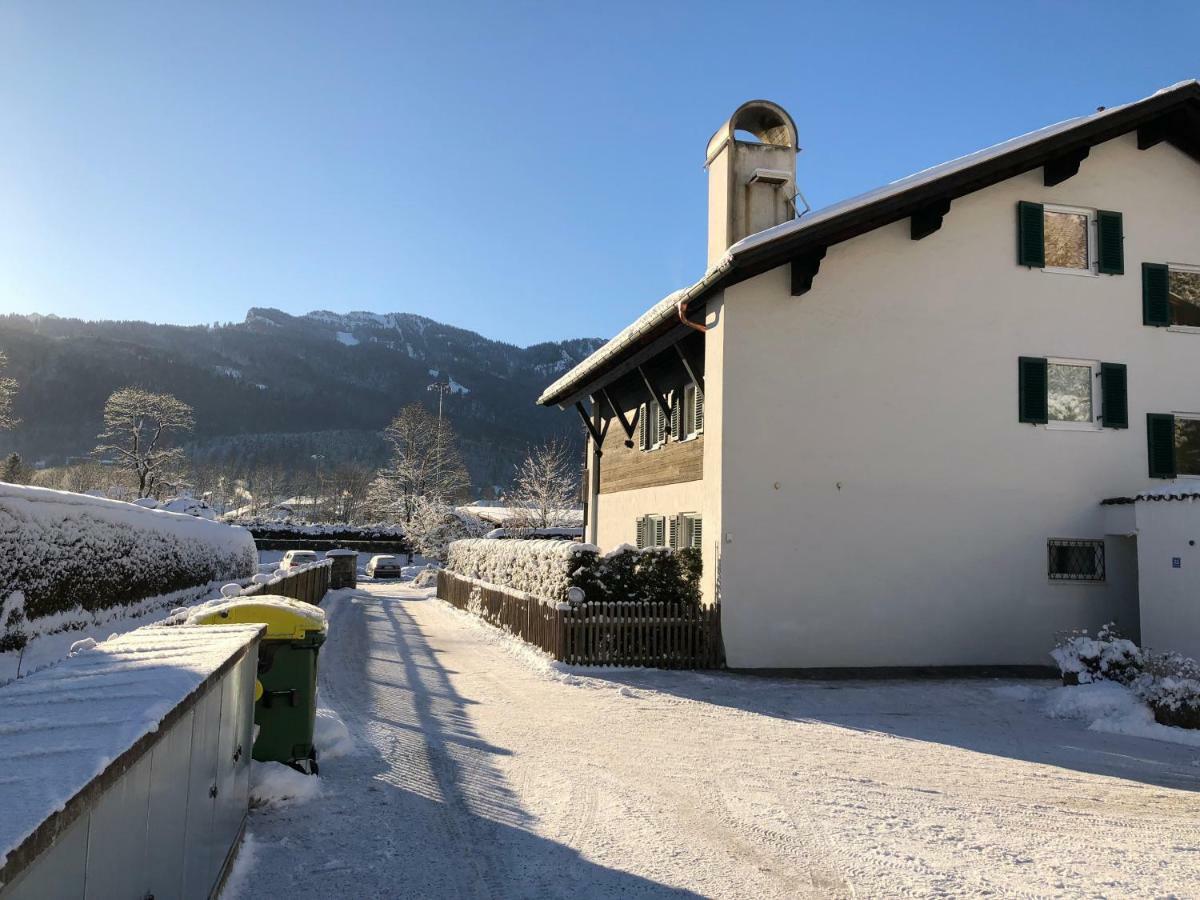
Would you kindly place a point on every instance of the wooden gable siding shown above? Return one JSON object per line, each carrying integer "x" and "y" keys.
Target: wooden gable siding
{"x": 625, "y": 469}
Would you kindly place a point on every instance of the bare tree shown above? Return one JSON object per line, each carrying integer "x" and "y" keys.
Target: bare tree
{"x": 425, "y": 467}
{"x": 138, "y": 427}
{"x": 546, "y": 488}
{"x": 8, "y": 389}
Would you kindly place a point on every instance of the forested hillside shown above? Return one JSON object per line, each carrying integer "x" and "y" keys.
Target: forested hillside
{"x": 278, "y": 388}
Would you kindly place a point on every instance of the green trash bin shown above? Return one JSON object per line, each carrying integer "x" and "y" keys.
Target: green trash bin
{"x": 285, "y": 708}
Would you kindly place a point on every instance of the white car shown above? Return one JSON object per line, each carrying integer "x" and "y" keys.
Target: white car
{"x": 294, "y": 559}
{"x": 384, "y": 566}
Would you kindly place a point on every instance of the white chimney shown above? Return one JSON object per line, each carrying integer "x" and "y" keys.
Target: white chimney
{"x": 751, "y": 184}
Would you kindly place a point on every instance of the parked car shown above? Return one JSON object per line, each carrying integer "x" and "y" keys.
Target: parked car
{"x": 294, "y": 559}
{"x": 384, "y": 566}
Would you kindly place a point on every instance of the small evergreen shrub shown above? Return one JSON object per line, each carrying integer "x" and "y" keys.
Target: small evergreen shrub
{"x": 1109, "y": 656}
{"x": 1170, "y": 684}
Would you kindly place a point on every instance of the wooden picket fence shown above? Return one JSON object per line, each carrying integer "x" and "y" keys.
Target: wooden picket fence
{"x": 631, "y": 633}
{"x": 309, "y": 584}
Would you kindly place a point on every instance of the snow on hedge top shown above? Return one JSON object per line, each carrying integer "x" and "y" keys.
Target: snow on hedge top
{"x": 65, "y": 550}
{"x": 62, "y": 727}
{"x": 540, "y": 568}
{"x": 46, "y": 505}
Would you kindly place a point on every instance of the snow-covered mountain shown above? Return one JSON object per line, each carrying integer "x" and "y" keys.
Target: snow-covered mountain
{"x": 286, "y": 385}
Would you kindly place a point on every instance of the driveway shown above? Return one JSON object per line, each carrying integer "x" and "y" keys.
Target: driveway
{"x": 481, "y": 770}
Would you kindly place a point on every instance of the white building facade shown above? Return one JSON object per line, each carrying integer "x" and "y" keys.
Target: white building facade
{"x": 913, "y": 404}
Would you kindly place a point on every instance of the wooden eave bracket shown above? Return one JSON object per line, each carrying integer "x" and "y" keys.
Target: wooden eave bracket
{"x": 697, "y": 379}
{"x": 1063, "y": 167}
{"x": 597, "y": 436}
{"x": 927, "y": 220}
{"x": 627, "y": 425}
{"x": 804, "y": 270}
{"x": 659, "y": 397}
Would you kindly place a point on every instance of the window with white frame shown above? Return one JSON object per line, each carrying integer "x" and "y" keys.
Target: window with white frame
{"x": 1073, "y": 392}
{"x": 1075, "y": 560}
{"x": 1070, "y": 239}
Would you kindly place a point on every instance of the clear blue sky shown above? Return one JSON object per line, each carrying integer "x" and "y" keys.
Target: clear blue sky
{"x": 529, "y": 170}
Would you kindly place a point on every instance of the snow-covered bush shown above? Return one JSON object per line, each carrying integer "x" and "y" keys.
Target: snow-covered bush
{"x": 1109, "y": 656}
{"x": 1171, "y": 685}
{"x": 549, "y": 569}
{"x": 64, "y": 551}
{"x": 543, "y": 569}
{"x": 273, "y": 528}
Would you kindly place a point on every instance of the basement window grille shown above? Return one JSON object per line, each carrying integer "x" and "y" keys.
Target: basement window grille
{"x": 1075, "y": 560}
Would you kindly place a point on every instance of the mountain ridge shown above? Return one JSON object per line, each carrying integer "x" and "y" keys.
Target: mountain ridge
{"x": 275, "y": 373}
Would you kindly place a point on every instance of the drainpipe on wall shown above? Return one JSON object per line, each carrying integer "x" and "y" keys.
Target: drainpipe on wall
{"x": 593, "y": 510}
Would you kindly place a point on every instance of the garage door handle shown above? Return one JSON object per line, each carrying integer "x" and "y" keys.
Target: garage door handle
{"x": 212, "y": 791}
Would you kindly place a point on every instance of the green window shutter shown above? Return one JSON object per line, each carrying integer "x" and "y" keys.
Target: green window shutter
{"x": 1110, "y": 242}
{"x": 1160, "y": 440}
{"x": 1031, "y": 235}
{"x": 641, "y": 532}
{"x": 699, "y": 412}
{"x": 697, "y": 535}
{"x": 674, "y": 532}
{"x": 676, "y": 434}
{"x": 660, "y": 531}
{"x": 1115, "y": 393}
{"x": 1031, "y": 388}
{"x": 1156, "y": 301}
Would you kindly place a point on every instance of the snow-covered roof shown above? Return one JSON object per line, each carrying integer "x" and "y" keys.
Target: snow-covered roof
{"x": 1116, "y": 117}
{"x": 63, "y": 728}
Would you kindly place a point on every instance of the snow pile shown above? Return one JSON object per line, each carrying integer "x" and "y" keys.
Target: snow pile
{"x": 64, "y": 551}
{"x": 542, "y": 569}
{"x": 347, "y": 339}
{"x": 63, "y": 726}
{"x": 331, "y": 737}
{"x": 1083, "y": 659}
{"x": 1114, "y": 709}
{"x": 274, "y": 784}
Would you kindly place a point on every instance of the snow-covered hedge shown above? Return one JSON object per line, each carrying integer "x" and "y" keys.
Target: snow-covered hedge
{"x": 542, "y": 569}
{"x": 1109, "y": 655}
{"x": 63, "y": 551}
{"x": 270, "y": 528}
{"x": 548, "y": 569}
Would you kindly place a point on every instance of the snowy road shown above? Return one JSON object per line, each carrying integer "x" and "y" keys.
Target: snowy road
{"x": 482, "y": 773}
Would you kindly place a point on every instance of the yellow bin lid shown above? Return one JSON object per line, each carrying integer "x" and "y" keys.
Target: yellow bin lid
{"x": 284, "y": 617}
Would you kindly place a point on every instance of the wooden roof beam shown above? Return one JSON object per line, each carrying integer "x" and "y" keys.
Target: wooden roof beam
{"x": 1059, "y": 169}
{"x": 804, "y": 270}
{"x": 927, "y": 220}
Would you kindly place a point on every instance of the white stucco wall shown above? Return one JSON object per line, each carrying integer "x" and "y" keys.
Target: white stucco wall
{"x": 619, "y": 510}
{"x": 910, "y": 520}
{"x": 1170, "y": 596}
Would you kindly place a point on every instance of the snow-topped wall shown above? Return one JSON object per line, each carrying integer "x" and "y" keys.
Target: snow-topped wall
{"x": 64, "y": 551}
